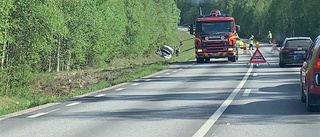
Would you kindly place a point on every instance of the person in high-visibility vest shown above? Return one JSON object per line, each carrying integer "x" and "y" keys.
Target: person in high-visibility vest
{"x": 269, "y": 37}
{"x": 250, "y": 41}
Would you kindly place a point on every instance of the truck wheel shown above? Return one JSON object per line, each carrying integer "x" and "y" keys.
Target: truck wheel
{"x": 237, "y": 54}
{"x": 232, "y": 59}
{"x": 199, "y": 60}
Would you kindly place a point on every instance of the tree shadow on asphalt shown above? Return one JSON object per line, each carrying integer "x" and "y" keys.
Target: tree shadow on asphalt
{"x": 275, "y": 105}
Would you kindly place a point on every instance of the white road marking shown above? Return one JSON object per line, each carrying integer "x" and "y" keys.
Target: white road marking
{"x": 134, "y": 84}
{"x": 246, "y": 92}
{"x": 73, "y": 104}
{"x": 41, "y": 114}
{"x": 255, "y": 74}
{"x": 189, "y": 65}
{"x": 167, "y": 74}
{"x": 100, "y": 95}
{"x": 181, "y": 69}
{"x": 212, "y": 120}
{"x": 228, "y": 124}
{"x": 158, "y": 76}
{"x": 174, "y": 71}
{"x": 148, "y": 80}
{"x": 120, "y": 89}
{"x": 36, "y": 115}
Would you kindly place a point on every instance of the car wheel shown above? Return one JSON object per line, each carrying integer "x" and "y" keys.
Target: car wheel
{"x": 207, "y": 59}
{"x": 281, "y": 65}
{"x": 303, "y": 96}
{"x": 309, "y": 102}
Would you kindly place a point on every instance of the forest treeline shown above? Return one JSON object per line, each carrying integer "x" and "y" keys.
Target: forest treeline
{"x": 41, "y": 36}
{"x": 285, "y": 18}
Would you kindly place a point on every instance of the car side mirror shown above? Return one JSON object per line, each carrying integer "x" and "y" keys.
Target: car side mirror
{"x": 238, "y": 28}
{"x": 191, "y": 31}
{"x": 317, "y": 80}
{"x": 305, "y": 64}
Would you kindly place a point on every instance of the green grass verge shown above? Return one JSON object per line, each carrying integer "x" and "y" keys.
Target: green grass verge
{"x": 121, "y": 70}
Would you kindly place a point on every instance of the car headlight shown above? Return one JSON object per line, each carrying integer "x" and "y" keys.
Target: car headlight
{"x": 230, "y": 49}
{"x": 199, "y": 50}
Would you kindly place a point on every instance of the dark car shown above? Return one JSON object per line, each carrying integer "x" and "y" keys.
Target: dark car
{"x": 294, "y": 50}
{"x": 310, "y": 77}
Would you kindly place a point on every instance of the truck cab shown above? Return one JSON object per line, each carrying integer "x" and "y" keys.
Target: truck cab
{"x": 215, "y": 37}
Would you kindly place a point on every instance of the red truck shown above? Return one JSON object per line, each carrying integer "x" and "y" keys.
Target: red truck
{"x": 215, "y": 37}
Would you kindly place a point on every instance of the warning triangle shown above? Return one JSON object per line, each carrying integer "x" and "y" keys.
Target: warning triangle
{"x": 257, "y": 57}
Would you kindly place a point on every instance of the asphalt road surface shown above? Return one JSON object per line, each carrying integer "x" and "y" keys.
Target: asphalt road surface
{"x": 215, "y": 99}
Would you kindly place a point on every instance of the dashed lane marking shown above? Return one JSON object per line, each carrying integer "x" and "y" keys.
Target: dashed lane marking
{"x": 73, "y": 104}
{"x": 246, "y": 92}
{"x": 120, "y": 89}
{"x": 135, "y": 84}
{"x": 41, "y": 114}
{"x": 100, "y": 95}
{"x": 36, "y": 115}
{"x": 255, "y": 74}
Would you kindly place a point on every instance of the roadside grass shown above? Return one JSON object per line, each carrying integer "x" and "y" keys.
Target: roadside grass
{"x": 54, "y": 87}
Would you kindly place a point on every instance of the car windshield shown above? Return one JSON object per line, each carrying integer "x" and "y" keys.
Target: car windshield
{"x": 298, "y": 43}
{"x": 216, "y": 27}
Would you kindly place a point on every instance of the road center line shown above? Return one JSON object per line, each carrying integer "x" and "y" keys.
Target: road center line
{"x": 246, "y": 92}
{"x": 210, "y": 122}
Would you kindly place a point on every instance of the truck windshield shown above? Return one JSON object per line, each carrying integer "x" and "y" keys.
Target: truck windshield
{"x": 212, "y": 28}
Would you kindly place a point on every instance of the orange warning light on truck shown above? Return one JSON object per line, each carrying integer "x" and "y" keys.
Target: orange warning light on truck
{"x": 215, "y": 37}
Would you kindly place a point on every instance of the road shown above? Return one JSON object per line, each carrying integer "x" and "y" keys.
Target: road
{"x": 216, "y": 99}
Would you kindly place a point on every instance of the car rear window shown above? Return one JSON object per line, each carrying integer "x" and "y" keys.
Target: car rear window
{"x": 299, "y": 43}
